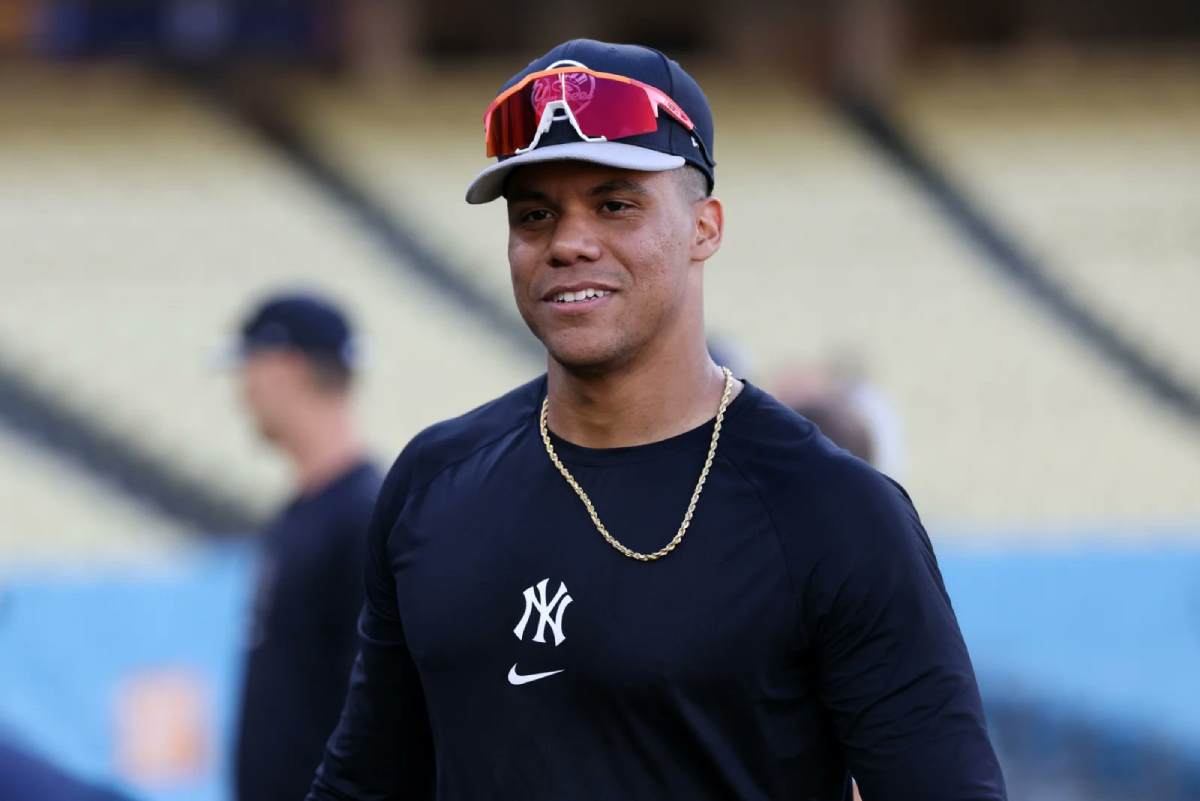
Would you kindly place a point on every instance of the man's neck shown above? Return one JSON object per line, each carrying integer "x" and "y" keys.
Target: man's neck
{"x": 323, "y": 449}
{"x": 634, "y": 405}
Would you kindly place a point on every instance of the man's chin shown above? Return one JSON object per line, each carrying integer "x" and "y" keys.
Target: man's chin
{"x": 586, "y": 358}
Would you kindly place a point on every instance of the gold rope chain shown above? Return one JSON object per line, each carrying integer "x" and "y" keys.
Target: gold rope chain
{"x": 691, "y": 509}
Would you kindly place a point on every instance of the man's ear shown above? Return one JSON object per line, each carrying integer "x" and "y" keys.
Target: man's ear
{"x": 709, "y": 218}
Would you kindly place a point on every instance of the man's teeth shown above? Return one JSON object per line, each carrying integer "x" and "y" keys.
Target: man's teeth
{"x": 583, "y": 294}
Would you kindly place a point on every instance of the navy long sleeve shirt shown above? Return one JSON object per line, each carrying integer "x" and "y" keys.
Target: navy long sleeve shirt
{"x": 303, "y": 639}
{"x": 799, "y": 634}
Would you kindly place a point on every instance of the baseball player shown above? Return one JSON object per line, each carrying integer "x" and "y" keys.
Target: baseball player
{"x": 637, "y": 577}
{"x": 296, "y": 364}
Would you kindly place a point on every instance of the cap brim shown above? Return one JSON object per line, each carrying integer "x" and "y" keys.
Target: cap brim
{"x": 489, "y": 184}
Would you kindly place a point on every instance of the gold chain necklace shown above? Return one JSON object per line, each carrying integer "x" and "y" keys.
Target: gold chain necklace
{"x": 687, "y": 517}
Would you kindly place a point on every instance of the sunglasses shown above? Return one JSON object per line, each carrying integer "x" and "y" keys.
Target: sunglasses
{"x": 599, "y": 105}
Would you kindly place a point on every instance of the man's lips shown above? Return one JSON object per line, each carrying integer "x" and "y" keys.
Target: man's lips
{"x": 582, "y": 292}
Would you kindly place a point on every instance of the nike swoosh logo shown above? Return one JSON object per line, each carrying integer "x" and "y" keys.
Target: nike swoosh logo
{"x": 516, "y": 679}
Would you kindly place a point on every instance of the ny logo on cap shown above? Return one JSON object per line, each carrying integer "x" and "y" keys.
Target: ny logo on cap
{"x": 574, "y": 88}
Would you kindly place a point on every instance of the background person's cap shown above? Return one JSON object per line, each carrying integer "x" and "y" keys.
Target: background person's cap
{"x": 300, "y": 322}
{"x": 667, "y": 148}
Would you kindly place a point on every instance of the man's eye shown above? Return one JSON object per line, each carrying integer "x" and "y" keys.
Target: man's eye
{"x": 536, "y": 215}
{"x": 615, "y": 206}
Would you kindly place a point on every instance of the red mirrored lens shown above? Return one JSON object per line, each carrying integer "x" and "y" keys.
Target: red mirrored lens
{"x": 612, "y": 109}
{"x": 602, "y": 107}
{"x": 511, "y": 125}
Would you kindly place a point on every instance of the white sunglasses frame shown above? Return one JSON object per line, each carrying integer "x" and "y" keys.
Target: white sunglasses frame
{"x": 551, "y": 109}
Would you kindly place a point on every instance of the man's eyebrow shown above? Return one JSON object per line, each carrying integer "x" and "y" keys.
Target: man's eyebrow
{"x": 619, "y": 185}
{"x": 521, "y": 194}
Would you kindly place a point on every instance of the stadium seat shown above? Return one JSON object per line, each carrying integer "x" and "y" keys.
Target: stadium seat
{"x": 828, "y": 249}
{"x": 139, "y": 225}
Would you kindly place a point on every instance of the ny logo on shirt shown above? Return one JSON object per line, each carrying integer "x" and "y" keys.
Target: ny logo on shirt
{"x": 537, "y": 600}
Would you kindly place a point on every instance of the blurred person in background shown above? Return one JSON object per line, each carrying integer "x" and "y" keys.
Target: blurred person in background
{"x": 828, "y": 403}
{"x": 297, "y": 367}
{"x": 848, "y": 407}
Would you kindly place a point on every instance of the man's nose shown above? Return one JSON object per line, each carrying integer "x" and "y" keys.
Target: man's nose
{"x": 574, "y": 241}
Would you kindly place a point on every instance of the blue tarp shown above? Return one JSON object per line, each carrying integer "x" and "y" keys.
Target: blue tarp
{"x": 69, "y": 643}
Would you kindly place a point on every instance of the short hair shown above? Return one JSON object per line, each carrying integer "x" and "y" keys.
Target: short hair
{"x": 330, "y": 374}
{"x": 693, "y": 182}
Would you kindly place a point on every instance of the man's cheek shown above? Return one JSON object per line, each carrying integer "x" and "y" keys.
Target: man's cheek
{"x": 520, "y": 277}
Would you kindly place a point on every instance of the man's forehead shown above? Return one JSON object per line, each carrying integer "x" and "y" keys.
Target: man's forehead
{"x": 271, "y": 357}
{"x": 576, "y": 176}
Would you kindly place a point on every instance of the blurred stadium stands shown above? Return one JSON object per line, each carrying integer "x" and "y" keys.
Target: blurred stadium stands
{"x": 142, "y": 210}
{"x": 138, "y": 226}
{"x": 1093, "y": 162}
{"x": 824, "y": 235}
{"x": 56, "y": 512}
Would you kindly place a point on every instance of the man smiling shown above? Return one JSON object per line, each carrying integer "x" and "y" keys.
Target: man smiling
{"x": 637, "y": 577}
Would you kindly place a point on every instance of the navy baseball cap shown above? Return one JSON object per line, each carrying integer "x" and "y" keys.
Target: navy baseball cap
{"x": 299, "y": 322}
{"x": 669, "y": 147}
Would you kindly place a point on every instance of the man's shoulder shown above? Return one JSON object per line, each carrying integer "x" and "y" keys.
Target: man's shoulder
{"x": 801, "y": 475}
{"x": 450, "y": 441}
{"x": 779, "y": 449}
